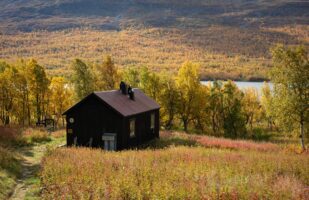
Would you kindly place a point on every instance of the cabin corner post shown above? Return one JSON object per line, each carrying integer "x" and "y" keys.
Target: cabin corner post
{"x": 157, "y": 134}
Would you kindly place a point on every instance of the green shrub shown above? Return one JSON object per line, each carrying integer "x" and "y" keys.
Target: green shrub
{"x": 259, "y": 134}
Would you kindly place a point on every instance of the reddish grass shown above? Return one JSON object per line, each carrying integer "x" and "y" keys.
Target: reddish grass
{"x": 11, "y": 136}
{"x": 174, "y": 173}
{"x": 8, "y": 133}
{"x": 239, "y": 144}
{"x": 207, "y": 141}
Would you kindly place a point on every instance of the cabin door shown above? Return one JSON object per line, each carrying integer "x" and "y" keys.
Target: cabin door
{"x": 109, "y": 140}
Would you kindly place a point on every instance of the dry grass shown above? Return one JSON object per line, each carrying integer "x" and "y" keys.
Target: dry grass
{"x": 59, "y": 133}
{"x": 174, "y": 173}
{"x": 12, "y": 137}
{"x": 36, "y": 135}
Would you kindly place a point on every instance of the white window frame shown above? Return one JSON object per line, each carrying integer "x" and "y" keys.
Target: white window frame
{"x": 152, "y": 120}
{"x": 132, "y": 125}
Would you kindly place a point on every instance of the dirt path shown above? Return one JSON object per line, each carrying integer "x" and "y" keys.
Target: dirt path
{"x": 32, "y": 157}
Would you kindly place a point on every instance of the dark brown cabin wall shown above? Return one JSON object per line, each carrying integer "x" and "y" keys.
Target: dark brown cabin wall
{"x": 92, "y": 119}
{"x": 142, "y": 128}
{"x": 69, "y": 126}
{"x": 125, "y": 135}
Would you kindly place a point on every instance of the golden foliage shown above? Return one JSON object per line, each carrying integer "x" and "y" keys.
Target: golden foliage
{"x": 215, "y": 48}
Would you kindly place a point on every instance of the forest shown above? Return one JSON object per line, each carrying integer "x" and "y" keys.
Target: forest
{"x": 29, "y": 95}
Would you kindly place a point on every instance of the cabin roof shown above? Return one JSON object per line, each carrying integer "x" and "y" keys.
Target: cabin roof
{"x": 123, "y": 104}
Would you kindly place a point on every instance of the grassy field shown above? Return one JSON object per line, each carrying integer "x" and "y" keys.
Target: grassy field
{"x": 178, "y": 167}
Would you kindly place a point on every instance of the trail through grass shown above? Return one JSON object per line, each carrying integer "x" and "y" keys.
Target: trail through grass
{"x": 31, "y": 158}
{"x": 28, "y": 185}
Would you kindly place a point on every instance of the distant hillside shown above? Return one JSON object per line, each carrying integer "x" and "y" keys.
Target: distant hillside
{"x": 119, "y": 14}
{"x": 229, "y": 38}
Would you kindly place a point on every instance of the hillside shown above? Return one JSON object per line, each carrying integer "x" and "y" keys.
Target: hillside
{"x": 230, "y": 39}
{"x": 120, "y": 14}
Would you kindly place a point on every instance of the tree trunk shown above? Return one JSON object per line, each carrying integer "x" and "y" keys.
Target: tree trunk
{"x": 7, "y": 120}
{"x": 38, "y": 109}
{"x": 24, "y": 108}
{"x": 28, "y": 109}
{"x": 213, "y": 124}
{"x": 302, "y": 135}
{"x": 185, "y": 125}
{"x": 62, "y": 122}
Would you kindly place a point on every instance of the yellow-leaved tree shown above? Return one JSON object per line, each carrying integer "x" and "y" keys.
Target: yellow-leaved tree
{"x": 38, "y": 87}
{"x": 61, "y": 97}
{"x": 251, "y": 106}
{"x": 107, "y": 75}
{"x": 188, "y": 84}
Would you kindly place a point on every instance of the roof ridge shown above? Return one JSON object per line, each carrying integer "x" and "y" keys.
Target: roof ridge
{"x": 107, "y": 91}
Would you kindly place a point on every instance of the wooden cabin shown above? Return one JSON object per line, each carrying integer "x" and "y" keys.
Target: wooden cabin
{"x": 113, "y": 120}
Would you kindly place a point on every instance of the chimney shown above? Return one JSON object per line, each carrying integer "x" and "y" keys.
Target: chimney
{"x": 123, "y": 87}
{"x": 131, "y": 93}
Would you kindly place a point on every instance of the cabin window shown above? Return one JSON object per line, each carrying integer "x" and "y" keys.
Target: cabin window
{"x": 132, "y": 128}
{"x": 152, "y": 121}
{"x": 71, "y": 120}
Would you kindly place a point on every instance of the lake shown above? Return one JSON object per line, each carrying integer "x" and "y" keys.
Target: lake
{"x": 245, "y": 84}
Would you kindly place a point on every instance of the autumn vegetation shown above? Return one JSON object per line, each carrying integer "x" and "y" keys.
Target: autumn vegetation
{"x": 217, "y": 141}
{"x": 181, "y": 169}
{"x": 220, "y": 56}
{"x": 200, "y": 163}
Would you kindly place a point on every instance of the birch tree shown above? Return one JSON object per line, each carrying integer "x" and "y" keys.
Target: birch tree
{"x": 290, "y": 75}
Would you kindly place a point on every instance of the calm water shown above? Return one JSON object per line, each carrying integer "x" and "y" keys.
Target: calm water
{"x": 245, "y": 84}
